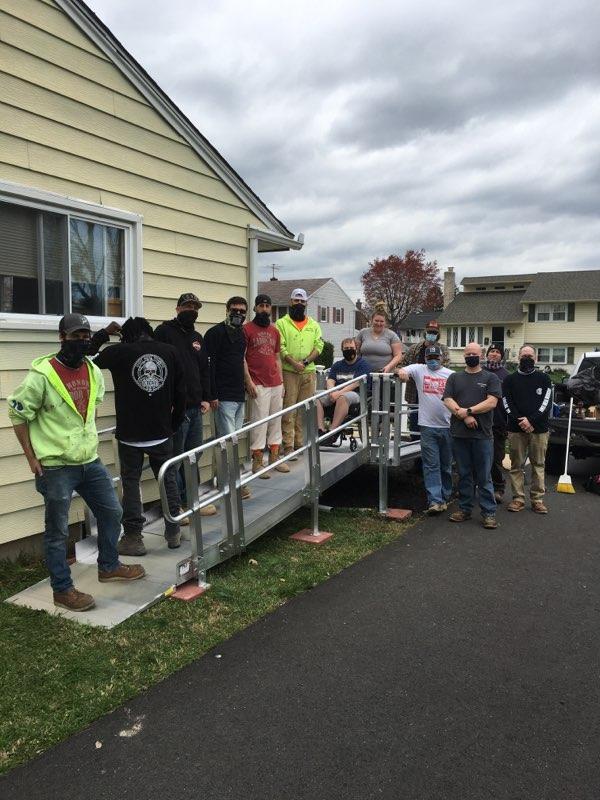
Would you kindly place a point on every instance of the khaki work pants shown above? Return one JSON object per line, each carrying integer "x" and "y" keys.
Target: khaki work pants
{"x": 522, "y": 445}
{"x": 298, "y": 386}
{"x": 268, "y": 400}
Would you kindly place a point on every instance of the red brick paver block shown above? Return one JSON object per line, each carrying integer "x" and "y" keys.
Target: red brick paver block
{"x": 398, "y": 514}
{"x": 306, "y": 535}
{"x": 188, "y": 591}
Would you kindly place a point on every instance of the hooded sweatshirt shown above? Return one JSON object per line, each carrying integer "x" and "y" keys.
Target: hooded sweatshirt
{"x": 59, "y": 435}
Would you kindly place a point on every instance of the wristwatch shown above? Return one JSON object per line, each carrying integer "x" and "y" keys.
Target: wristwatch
{"x": 469, "y": 412}
{"x": 306, "y": 362}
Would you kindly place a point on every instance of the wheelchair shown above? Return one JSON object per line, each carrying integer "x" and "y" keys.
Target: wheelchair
{"x": 349, "y": 435}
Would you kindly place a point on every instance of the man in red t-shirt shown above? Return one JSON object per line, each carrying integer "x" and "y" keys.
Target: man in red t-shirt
{"x": 264, "y": 384}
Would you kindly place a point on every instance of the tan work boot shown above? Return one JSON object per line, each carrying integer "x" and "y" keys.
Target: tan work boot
{"x": 459, "y": 516}
{"x": 289, "y": 450}
{"x": 515, "y": 505}
{"x": 124, "y": 572}
{"x": 539, "y": 507}
{"x": 131, "y": 544}
{"x": 74, "y": 600}
{"x": 246, "y": 493}
{"x": 257, "y": 463}
{"x": 273, "y": 456}
{"x": 208, "y": 511}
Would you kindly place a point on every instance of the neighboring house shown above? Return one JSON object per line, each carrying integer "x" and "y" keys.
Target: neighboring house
{"x": 111, "y": 203}
{"x": 328, "y": 303}
{"x": 556, "y": 312}
{"x": 412, "y": 328}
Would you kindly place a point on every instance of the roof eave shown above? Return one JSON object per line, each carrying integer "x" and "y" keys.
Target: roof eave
{"x": 103, "y": 38}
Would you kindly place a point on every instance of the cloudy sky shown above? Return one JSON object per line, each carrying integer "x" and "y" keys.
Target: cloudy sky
{"x": 467, "y": 128}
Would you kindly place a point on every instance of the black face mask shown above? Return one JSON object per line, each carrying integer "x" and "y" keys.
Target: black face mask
{"x": 472, "y": 361}
{"x": 297, "y": 312}
{"x": 527, "y": 364}
{"x": 349, "y": 355}
{"x": 187, "y": 318}
{"x": 72, "y": 352}
{"x": 262, "y": 318}
{"x": 236, "y": 319}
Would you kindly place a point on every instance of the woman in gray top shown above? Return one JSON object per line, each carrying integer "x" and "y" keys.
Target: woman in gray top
{"x": 379, "y": 345}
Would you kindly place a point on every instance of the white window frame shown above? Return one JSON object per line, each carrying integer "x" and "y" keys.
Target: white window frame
{"x": 128, "y": 222}
{"x": 551, "y": 309}
{"x": 552, "y": 348}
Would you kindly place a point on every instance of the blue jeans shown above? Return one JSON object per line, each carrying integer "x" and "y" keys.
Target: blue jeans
{"x": 436, "y": 455}
{"x": 474, "y": 458}
{"x": 229, "y": 417}
{"x": 93, "y": 483}
{"x": 186, "y": 437}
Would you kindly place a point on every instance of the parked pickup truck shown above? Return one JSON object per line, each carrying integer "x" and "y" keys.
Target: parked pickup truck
{"x": 585, "y": 433}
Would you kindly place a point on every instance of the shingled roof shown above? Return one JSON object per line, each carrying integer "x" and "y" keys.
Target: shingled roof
{"x": 280, "y": 291}
{"x": 417, "y": 321}
{"x": 564, "y": 287}
{"x": 480, "y": 308}
{"x": 487, "y": 279}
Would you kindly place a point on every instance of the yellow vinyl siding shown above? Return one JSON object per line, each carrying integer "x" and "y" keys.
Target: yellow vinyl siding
{"x": 585, "y": 329}
{"x": 73, "y": 124}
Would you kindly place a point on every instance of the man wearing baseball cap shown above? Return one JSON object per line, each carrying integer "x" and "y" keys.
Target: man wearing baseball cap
{"x": 416, "y": 355}
{"x": 301, "y": 343}
{"x": 181, "y": 333}
{"x": 434, "y": 424}
{"x": 53, "y": 414}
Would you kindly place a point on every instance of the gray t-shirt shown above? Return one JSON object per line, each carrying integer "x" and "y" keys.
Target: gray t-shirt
{"x": 468, "y": 389}
{"x": 377, "y": 351}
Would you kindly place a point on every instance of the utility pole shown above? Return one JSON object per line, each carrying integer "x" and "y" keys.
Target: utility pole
{"x": 274, "y": 268}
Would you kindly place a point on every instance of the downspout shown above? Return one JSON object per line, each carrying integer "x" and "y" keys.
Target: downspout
{"x": 252, "y": 270}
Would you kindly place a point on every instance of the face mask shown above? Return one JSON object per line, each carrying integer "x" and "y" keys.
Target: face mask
{"x": 431, "y": 337}
{"x": 349, "y": 355}
{"x": 472, "y": 361}
{"x": 236, "y": 318}
{"x": 527, "y": 364}
{"x": 433, "y": 363}
{"x": 297, "y": 312}
{"x": 262, "y": 318}
{"x": 187, "y": 318}
{"x": 72, "y": 352}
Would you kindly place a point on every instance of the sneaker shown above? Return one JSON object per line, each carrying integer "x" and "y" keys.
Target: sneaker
{"x": 74, "y": 600}
{"x": 246, "y": 493}
{"x": 124, "y": 572}
{"x": 289, "y": 450}
{"x": 489, "y": 523}
{"x": 539, "y": 507}
{"x": 515, "y": 505}
{"x": 443, "y": 506}
{"x": 499, "y": 497}
{"x": 173, "y": 540}
{"x": 131, "y": 544}
{"x": 434, "y": 508}
{"x": 459, "y": 516}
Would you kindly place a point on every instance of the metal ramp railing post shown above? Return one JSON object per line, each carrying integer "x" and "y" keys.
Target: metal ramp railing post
{"x": 383, "y": 451}
{"x": 235, "y": 531}
{"x": 198, "y": 565}
{"x": 314, "y": 462}
{"x": 364, "y": 410}
{"x": 398, "y": 409}
{"x": 226, "y": 482}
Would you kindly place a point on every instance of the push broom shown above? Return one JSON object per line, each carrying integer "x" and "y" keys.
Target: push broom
{"x": 565, "y": 484}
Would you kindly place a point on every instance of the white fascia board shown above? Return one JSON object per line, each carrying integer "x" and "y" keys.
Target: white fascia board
{"x": 271, "y": 237}
{"x": 169, "y": 111}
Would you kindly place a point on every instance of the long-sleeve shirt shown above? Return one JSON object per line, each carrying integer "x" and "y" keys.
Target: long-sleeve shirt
{"x": 194, "y": 359}
{"x": 299, "y": 342}
{"x": 226, "y": 348}
{"x": 527, "y": 395}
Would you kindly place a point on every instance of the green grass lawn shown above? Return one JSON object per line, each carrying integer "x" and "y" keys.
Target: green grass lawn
{"x": 58, "y": 676}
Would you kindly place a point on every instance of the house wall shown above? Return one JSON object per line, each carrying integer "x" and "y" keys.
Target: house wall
{"x": 332, "y": 296}
{"x": 72, "y": 124}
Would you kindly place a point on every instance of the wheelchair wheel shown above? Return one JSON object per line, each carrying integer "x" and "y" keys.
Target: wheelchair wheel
{"x": 353, "y": 444}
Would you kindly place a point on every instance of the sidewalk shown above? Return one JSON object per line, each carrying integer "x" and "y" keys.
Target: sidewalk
{"x": 456, "y": 663}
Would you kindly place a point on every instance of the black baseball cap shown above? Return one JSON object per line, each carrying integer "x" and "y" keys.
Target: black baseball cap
{"x": 73, "y": 322}
{"x": 433, "y": 350}
{"x": 189, "y": 297}
{"x": 262, "y": 298}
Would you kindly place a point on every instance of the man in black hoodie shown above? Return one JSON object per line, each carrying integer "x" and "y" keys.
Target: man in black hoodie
{"x": 150, "y": 403}
{"x": 181, "y": 333}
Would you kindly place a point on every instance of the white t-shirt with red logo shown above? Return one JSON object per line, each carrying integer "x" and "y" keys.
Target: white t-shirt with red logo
{"x": 430, "y": 387}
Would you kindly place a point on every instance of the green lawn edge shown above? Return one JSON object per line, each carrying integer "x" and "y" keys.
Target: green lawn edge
{"x": 59, "y": 676}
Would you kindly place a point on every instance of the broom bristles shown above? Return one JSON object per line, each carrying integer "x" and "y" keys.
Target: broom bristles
{"x": 565, "y": 485}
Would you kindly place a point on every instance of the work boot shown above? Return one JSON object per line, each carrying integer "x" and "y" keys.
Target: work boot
{"x": 131, "y": 544}
{"x": 459, "y": 516}
{"x": 185, "y": 521}
{"x": 246, "y": 493}
{"x": 489, "y": 523}
{"x": 257, "y": 463}
{"x": 289, "y": 450}
{"x": 273, "y": 456}
{"x": 74, "y": 600}
{"x": 515, "y": 505}
{"x": 434, "y": 508}
{"x": 124, "y": 572}
{"x": 539, "y": 507}
{"x": 173, "y": 540}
